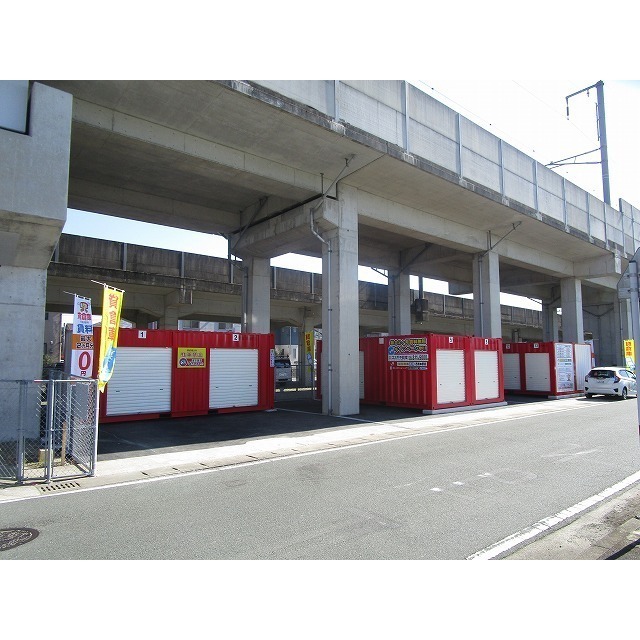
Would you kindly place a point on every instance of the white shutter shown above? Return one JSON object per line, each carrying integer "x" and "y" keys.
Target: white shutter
{"x": 583, "y": 364}
{"x": 511, "y": 363}
{"x": 233, "y": 378}
{"x": 361, "y": 365}
{"x": 487, "y": 382}
{"x": 537, "y": 371}
{"x": 141, "y": 381}
{"x": 450, "y": 377}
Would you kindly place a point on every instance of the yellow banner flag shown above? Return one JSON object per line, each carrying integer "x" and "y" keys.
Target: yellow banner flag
{"x": 629, "y": 354}
{"x": 111, "y": 308}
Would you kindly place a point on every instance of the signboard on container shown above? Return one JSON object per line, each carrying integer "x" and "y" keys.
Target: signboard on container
{"x": 192, "y": 357}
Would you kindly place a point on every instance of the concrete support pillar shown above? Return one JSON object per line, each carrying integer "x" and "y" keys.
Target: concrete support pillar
{"x": 169, "y": 320}
{"x": 550, "y": 322}
{"x": 34, "y": 178}
{"x": 256, "y": 298}
{"x": 399, "y": 304}
{"x": 624, "y": 314}
{"x": 616, "y": 329}
{"x": 572, "y": 320}
{"x": 604, "y": 322}
{"x": 141, "y": 319}
{"x": 22, "y": 301}
{"x": 486, "y": 295}
{"x": 340, "y": 311}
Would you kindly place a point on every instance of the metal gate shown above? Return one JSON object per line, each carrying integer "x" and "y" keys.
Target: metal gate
{"x": 48, "y": 429}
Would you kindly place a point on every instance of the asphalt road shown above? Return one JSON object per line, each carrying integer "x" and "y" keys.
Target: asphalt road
{"x": 438, "y": 495}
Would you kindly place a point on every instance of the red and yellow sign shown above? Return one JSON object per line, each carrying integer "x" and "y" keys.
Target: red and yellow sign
{"x": 82, "y": 338}
{"x": 192, "y": 357}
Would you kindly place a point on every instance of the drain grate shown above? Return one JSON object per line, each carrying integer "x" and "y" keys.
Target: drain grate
{"x": 59, "y": 486}
{"x": 10, "y": 538}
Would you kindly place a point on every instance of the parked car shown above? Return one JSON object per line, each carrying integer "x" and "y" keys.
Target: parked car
{"x": 610, "y": 381}
{"x": 282, "y": 370}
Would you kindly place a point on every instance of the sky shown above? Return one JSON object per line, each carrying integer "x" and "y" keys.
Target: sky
{"x": 528, "y": 114}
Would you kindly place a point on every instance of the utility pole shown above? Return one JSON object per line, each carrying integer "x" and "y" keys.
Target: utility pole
{"x": 602, "y": 134}
{"x": 602, "y": 137}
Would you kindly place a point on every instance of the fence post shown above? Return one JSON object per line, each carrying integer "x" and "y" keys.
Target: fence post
{"x": 22, "y": 408}
{"x": 96, "y": 404}
{"x": 50, "y": 409}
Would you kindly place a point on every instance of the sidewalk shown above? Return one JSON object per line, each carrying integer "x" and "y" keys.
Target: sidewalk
{"x": 608, "y": 530}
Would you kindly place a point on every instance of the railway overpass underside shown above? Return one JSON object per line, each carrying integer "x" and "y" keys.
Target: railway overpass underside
{"x": 372, "y": 173}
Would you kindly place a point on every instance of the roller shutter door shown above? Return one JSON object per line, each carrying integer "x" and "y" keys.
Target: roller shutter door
{"x": 361, "y": 365}
{"x": 450, "y": 377}
{"x": 511, "y": 363}
{"x": 487, "y": 379}
{"x": 537, "y": 371}
{"x": 583, "y": 364}
{"x": 141, "y": 381}
{"x": 233, "y": 378}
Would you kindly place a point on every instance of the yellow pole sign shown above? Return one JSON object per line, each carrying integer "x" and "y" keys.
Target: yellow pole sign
{"x": 630, "y": 355}
{"x": 111, "y": 308}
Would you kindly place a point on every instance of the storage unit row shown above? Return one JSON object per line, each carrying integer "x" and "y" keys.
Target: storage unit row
{"x": 431, "y": 372}
{"x": 554, "y": 369}
{"x": 187, "y": 373}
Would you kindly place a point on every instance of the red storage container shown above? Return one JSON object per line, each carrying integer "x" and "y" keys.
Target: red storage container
{"x": 186, "y": 373}
{"x": 373, "y": 357}
{"x": 488, "y": 373}
{"x": 431, "y": 372}
{"x": 540, "y": 368}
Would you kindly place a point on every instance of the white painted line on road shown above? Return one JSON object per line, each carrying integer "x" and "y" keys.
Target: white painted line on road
{"x": 542, "y": 526}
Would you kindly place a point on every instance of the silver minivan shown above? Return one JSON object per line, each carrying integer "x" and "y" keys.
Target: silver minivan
{"x": 610, "y": 381}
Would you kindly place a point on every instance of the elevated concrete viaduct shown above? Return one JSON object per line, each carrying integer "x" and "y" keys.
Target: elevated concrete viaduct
{"x": 164, "y": 286}
{"x": 358, "y": 172}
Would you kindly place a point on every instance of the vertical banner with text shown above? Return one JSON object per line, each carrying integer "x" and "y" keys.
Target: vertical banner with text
{"x": 309, "y": 348}
{"x": 629, "y": 355}
{"x": 111, "y": 308}
{"x": 82, "y": 338}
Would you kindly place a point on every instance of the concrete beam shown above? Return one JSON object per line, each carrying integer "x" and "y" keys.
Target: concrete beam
{"x": 603, "y": 266}
{"x": 381, "y": 213}
{"x": 161, "y": 136}
{"x": 276, "y": 236}
{"x": 149, "y": 207}
{"x": 421, "y": 225}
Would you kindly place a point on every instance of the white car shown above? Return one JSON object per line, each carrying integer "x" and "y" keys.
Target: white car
{"x": 610, "y": 381}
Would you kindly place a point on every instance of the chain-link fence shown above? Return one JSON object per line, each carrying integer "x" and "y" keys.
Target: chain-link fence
{"x": 48, "y": 429}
